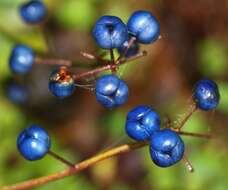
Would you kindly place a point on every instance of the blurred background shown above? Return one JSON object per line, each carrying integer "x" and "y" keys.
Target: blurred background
{"x": 193, "y": 46}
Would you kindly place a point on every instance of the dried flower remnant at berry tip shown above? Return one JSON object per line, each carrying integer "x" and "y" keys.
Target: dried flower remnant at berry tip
{"x": 61, "y": 76}
{"x": 61, "y": 83}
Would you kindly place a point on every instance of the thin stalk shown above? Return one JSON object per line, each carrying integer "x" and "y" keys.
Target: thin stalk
{"x": 185, "y": 119}
{"x": 113, "y": 68}
{"x": 84, "y": 165}
{"x": 61, "y": 159}
{"x": 200, "y": 135}
{"x": 61, "y": 62}
{"x": 132, "y": 40}
{"x": 78, "y": 167}
{"x": 94, "y": 57}
{"x": 94, "y": 72}
{"x": 188, "y": 163}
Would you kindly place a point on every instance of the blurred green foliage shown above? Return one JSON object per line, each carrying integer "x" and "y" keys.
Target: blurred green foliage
{"x": 210, "y": 164}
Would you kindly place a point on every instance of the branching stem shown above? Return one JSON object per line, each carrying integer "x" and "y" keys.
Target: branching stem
{"x": 81, "y": 166}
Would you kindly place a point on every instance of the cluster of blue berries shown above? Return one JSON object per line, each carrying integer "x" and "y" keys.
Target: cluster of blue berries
{"x": 143, "y": 122}
{"x": 166, "y": 146}
{"x": 110, "y": 32}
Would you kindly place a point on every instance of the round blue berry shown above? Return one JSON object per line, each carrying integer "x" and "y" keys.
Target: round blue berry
{"x": 33, "y": 12}
{"x": 33, "y": 143}
{"x": 206, "y": 94}
{"x": 17, "y": 93}
{"x": 166, "y": 148}
{"x": 110, "y": 32}
{"x": 142, "y": 122}
{"x": 21, "y": 59}
{"x": 144, "y": 26}
{"x": 61, "y": 83}
{"x": 111, "y": 91}
{"x": 133, "y": 50}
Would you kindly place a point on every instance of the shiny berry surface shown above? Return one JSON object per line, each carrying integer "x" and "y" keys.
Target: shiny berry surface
{"x": 21, "y": 59}
{"x": 206, "y": 95}
{"x": 142, "y": 122}
{"x": 110, "y": 32}
{"x": 61, "y": 83}
{"x": 33, "y": 143}
{"x": 166, "y": 148}
{"x": 144, "y": 26}
{"x": 33, "y": 12}
{"x": 111, "y": 91}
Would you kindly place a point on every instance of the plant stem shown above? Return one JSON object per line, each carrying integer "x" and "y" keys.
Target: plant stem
{"x": 185, "y": 119}
{"x": 61, "y": 159}
{"x": 62, "y": 62}
{"x": 130, "y": 43}
{"x": 188, "y": 163}
{"x": 93, "y": 57}
{"x": 80, "y": 166}
{"x": 108, "y": 67}
{"x": 201, "y": 135}
{"x": 113, "y": 68}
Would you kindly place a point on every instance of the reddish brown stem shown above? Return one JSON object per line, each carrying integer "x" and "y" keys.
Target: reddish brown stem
{"x": 132, "y": 40}
{"x": 93, "y": 57}
{"x": 81, "y": 166}
{"x": 201, "y": 135}
{"x": 61, "y": 159}
{"x": 78, "y": 167}
{"x": 113, "y": 69}
{"x": 185, "y": 119}
{"x": 94, "y": 72}
{"x": 61, "y": 62}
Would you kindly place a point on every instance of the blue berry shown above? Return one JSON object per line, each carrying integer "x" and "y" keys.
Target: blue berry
{"x": 144, "y": 26}
{"x": 133, "y": 50}
{"x": 206, "y": 94}
{"x": 33, "y": 11}
{"x": 110, "y": 32}
{"x": 33, "y": 143}
{"x": 21, "y": 59}
{"x": 17, "y": 93}
{"x": 111, "y": 91}
{"x": 166, "y": 148}
{"x": 142, "y": 122}
{"x": 61, "y": 83}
